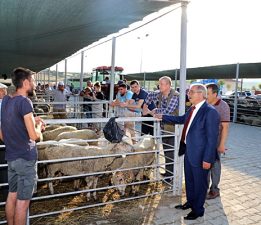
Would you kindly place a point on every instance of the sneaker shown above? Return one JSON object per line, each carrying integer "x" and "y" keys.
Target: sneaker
{"x": 212, "y": 195}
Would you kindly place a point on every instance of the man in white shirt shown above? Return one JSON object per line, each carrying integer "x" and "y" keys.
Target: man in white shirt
{"x": 60, "y": 95}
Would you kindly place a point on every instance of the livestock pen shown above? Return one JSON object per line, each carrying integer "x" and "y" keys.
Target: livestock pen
{"x": 46, "y": 205}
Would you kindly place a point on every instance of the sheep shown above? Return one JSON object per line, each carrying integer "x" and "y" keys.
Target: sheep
{"x": 132, "y": 161}
{"x": 252, "y": 120}
{"x": 81, "y": 134}
{"x": 122, "y": 148}
{"x": 52, "y": 134}
{"x": 75, "y": 141}
{"x": 78, "y": 167}
{"x": 52, "y": 127}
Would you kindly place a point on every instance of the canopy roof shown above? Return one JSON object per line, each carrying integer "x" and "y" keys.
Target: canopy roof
{"x": 246, "y": 70}
{"x": 39, "y": 33}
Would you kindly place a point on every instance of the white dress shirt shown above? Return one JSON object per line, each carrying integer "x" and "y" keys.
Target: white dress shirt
{"x": 197, "y": 107}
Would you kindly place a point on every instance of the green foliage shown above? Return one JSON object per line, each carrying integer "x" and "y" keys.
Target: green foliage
{"x": 221, "y": 82}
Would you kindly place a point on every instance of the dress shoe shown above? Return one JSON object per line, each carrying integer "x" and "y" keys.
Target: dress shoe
{"x": 183, "y": 207}
{"x": 212, "y": 195}
{"x": 192, "y": 216}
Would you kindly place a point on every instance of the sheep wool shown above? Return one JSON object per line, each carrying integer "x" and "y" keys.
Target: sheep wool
{"x": 85, "y": 134}
{"x": 52, "y": 134}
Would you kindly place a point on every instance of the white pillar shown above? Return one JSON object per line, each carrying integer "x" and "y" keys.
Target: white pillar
{"x": 49, "y": 76}
{"x": 65, "y": 71}
{"x": 183, "y": 58}
{"x": 56, "y": 75}
{"x": 44, "y": 73}
{"x": 178, "y": 161}
{"x": 112, "y": 68}
{"x": 81, "y": 75}
{"x": 176, "y": 78}
{"x": 235, "y": 99}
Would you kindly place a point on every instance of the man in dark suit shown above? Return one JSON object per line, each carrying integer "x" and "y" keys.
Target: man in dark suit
{"x": 199, "y": 144}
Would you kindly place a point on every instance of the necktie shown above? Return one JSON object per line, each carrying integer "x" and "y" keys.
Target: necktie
{"x": 186, "y": 124}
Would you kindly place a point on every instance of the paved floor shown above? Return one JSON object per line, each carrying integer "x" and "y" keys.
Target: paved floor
{"x": 240, "y": 200}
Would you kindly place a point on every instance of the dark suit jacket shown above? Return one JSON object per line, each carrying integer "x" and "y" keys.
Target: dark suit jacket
{"x": 201, "y": 140}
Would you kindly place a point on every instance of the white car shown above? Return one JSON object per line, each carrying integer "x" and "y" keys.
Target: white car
{"x": 258, "y": 97}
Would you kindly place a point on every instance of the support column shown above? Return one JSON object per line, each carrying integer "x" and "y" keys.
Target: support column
{"x": 49, "y": 77}
{"x": 82, "y": 65}
{"x": 56, "y": 75}
{"x": 176, "y": 78}
{"x": 235, "y": 99}
{"x": 178, "y": 161}
{"x": 65, "y": 71}
{"x": 112, "y": 78}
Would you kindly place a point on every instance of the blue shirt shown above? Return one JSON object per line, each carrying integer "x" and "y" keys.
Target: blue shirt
{"x": 121, "y": 111}
{"x": 142, "y": 95}
{"x": 15, "y": 134}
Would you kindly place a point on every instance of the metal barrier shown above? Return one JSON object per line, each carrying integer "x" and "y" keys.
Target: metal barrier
{"x": 73, "y": 108}
{"x": 175, "y": 180}
{"x": 248, "y": 111}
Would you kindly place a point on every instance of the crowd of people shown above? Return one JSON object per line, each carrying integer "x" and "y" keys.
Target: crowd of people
{"x": 203, "y": 138}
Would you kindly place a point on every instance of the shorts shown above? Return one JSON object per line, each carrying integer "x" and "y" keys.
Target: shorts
{"x": 22, "y": 178}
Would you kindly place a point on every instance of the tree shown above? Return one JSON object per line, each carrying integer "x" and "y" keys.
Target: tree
{"x": 221, "y": 82}
{"x": 259, "y": 86}
{"x": 228, "y": 86}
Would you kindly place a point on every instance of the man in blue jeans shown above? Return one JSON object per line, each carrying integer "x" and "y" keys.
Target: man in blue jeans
{"x": 17, "y": 121}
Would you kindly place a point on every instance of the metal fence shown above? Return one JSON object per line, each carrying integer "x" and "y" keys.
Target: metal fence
{"x": 247, "y": 111}
{"x": 173, "y": 182}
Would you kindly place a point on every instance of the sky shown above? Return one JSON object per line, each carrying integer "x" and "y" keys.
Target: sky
{"x": 218, "y": 32}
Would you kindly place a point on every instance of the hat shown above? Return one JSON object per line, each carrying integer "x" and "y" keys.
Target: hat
{"x": 60, "y": 83}
{"x": 120, "y": 82}
{"x": 3, "y": 85}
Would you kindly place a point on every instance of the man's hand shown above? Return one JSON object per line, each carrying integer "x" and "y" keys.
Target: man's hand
{"x": 115, "y": 103}
{"x": 158, "y": 116}
{"x": 145, "y": 110}
{"x": 123, "y": 104}
{"x": 221, "y": 148}
{"x": 206, "y": 165}
{"x": 39, "y": 121}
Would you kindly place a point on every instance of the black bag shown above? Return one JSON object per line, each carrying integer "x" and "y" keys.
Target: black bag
{"x": 112, "y": 132}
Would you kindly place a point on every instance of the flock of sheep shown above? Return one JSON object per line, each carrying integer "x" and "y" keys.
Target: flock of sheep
{"x": 95, "y": 156}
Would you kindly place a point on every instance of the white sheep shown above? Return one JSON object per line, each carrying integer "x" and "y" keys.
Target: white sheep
{"x": 53, "y": 126}
{"x": 85, "y": 134}
{"x": 78, "y": 167}
{"x": 52, "y": 134}
{"x": 138, "y": 160}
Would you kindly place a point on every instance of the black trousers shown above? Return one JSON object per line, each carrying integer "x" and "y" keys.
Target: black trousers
{"x": 147, "y": 126}
{"x": 169, "y": 155}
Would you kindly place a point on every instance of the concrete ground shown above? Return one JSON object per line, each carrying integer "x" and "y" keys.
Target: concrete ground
{"x": 240, "y": 187}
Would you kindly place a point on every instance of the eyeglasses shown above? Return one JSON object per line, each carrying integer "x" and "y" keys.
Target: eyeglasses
{"x": 191, "y": 92}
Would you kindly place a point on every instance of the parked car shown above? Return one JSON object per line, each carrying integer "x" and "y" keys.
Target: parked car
{"x": 241, "y": 95}
{"x": 258, "y": 97}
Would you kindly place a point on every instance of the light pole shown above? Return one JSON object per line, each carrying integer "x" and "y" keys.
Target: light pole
{"x": 141, "y": 38}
